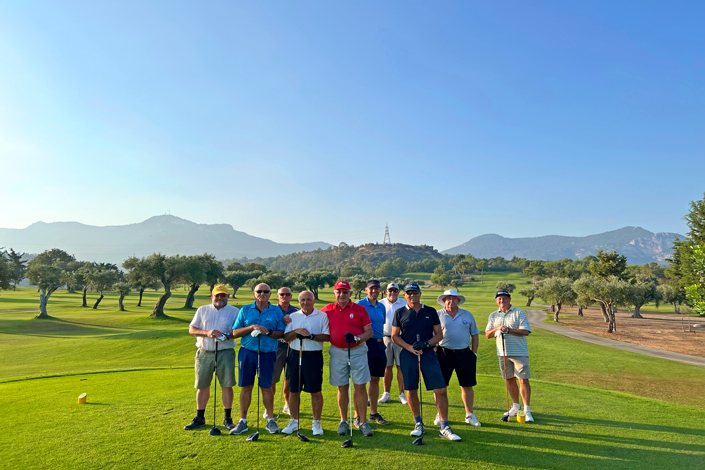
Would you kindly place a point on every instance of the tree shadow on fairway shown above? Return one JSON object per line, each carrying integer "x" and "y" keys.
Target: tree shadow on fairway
{"x": 559, "y": 420}
{"x": 55, "y": 327}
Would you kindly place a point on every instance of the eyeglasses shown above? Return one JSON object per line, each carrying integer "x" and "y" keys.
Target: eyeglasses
{"x": 285, "y": 294}
{"x": 262, "y": 291}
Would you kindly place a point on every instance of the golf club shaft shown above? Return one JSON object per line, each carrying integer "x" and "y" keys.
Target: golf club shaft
{"x": 215, "y": 390}
{"x": 418, "y": 338}
{"x": 301, "y": 389}
{"x": 506, "y": 383}
{"x": 258, "y": 354}
{"x": 350, "y": 398}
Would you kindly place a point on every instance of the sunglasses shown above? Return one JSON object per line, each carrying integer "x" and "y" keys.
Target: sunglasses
{"x": 285, "y": 294}
{"x": 262, "y": 291}
{"x": 393, "y": 290}
{"x": 412, "y": 292}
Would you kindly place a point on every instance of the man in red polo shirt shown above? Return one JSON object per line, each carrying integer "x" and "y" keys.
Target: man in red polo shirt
{"x": 349, "y": 324}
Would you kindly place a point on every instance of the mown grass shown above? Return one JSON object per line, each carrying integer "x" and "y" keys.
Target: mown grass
{"x": 593, "y": 405}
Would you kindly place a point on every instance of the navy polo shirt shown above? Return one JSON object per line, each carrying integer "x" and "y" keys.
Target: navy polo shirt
{"x": 412, "y": 323}
{"x": 377, "y": 315}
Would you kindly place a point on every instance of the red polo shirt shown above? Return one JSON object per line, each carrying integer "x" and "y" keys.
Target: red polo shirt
{"x": 351, "y": 319}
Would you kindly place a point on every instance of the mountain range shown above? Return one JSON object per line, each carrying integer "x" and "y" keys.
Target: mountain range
{"x": 637, "y": 244}
{"x": 167, "y": 234}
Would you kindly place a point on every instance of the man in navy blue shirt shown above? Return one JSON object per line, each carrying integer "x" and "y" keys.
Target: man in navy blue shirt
{"x": 260, "y": 325}
{"x": 376, "y": 355}
{"x": 417, "y": 329}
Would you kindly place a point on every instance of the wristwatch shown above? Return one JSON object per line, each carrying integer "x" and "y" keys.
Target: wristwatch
{"x": 268, "y": 333}
{"x": 357, "y": 339}
{"x": 311, "y": 336}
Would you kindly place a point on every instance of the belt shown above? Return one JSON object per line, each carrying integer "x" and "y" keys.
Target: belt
{"x": 378, "y": 340}
{"x": 454, "y": 350}
{"x": 387, "y": 336}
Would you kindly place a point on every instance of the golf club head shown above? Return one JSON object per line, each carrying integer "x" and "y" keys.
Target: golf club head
{"x": 253, "y": 437}
{"x": 214, "y": 431}
{"x": 504, "y": 418}
{"x": 301, "y": 437}
{"x": 418, "y": 441}
{"x": 346, "y": 444}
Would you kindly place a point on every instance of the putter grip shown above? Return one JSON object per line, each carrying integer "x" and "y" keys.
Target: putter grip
{"x": 418, "y": 337}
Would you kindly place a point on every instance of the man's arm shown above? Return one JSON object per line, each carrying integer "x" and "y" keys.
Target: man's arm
{"x": 475, "y": 342}
{"x": 192, "y": 330}
{"x": 437, "y": 336}
{"x": 366, "y": 333}
{"x": 397, "y": 339}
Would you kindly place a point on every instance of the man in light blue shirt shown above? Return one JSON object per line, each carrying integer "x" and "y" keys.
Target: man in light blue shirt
{"x": 510, "y": 327}
{"x": 260, "y": 325}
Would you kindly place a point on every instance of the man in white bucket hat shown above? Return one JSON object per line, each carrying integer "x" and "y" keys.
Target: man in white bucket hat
{"x": 458, "y": 349}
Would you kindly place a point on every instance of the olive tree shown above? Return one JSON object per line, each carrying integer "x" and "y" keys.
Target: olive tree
{"x": 557, "y": 291}
{"x": 45, "y": 272}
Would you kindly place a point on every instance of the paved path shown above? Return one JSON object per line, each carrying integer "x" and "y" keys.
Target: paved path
{"x": 536, "y": 318}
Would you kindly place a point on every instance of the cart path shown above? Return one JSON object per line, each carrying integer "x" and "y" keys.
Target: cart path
{"x": 536, "y": 318}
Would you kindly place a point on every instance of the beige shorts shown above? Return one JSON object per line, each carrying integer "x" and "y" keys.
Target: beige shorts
{"x": 393, "y": 352}
{"x": 205, "y": 363}
{"x": 517, "y": 366}
{"x": 338, "y": 366}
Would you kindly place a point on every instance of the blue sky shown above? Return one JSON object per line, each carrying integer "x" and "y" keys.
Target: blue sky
{"x": 303, "y": 121}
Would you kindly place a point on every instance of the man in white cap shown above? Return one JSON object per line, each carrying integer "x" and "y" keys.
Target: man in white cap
{"x": 392, "y": 303}
{"x": 457, "y": 351}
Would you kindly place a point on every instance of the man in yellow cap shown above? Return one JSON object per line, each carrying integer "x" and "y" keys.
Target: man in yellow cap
{"x": 211, "y": 323}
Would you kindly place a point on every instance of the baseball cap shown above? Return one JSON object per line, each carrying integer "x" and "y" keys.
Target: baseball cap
{"x": 502, "y": 292}
{"x": 220, "y": 289}
{"x": 373, "y": 283}
{"x": 342, "y": 285}
{"x": 393, "y": 285}
{"x": 412, "y": 286}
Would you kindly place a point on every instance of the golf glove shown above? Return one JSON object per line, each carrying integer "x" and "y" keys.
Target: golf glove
{"x": 350, "y": 338}
{"x": 420, "y": 345}
{"x": 498, "y": 333}
{"x": 255, "y": 333}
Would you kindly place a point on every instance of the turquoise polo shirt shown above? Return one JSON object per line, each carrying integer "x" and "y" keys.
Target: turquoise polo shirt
{"x": 270, "y": 318}
{"x": 378, "y": 316}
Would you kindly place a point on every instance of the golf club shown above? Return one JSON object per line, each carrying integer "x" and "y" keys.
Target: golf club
{"x": 255, "y": 436}
{"x": 214, "y": 430}
{"x": 349, "y": 442}
{"x": 419, "y": 440}
{"x": 301, "y": 389}
{"x": 281, "y": 398}
{"x": 506, "y": 384}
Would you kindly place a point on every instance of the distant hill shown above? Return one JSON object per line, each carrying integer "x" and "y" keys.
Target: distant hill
{"x": 167, "y": 234}
{"x": 368, "y": 256}
{"x": 637, "y": 244}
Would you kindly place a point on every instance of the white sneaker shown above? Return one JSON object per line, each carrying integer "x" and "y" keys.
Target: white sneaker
{"x": 448, "y": 433}
{"x": 418, "y": 430}
{"x": 402, "y": 398}
{"x": 291, "y": 427}
{"x": 472, "y": 420}
{"x": 512, "y": 411}
{"x": 317, "y": 429}
{"x": 529, "y": 418}
{"x": 385, "y": 398}
{"x": 437, "y": 420}
{"x": 285, "y": 410}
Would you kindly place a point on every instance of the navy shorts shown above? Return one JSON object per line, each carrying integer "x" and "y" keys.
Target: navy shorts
{"x": 247, "y": 368}
{"x": 376, "y": 357}
{"x": 431, "y": 370}
{"x": 462, "y": 361}
{"x": 311, "y": 371}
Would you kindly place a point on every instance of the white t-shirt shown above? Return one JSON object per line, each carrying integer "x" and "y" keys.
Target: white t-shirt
{"x": 208, "y": 317}
{"x": 316, "y": 323}
{"x": 391, "y": 308}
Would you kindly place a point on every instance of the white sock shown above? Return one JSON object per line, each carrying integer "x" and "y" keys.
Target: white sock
{"x": 243, "y": 420}
{"x": 526, "y": 408}
{"x": 517, "y": 406}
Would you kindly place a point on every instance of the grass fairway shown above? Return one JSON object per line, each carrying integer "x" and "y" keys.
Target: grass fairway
{"x": 593, "y": 406}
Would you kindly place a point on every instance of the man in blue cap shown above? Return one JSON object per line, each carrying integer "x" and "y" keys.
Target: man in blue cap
{"x": 417, "y": 329}
{"x": 510, "y": 326}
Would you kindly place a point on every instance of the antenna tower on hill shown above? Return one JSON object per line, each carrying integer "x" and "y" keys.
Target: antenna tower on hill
{"x": 387, "y": 240}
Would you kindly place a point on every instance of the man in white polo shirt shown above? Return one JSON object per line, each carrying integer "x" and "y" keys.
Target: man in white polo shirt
{"x": 210, "y": 322}
{"x": 308, "y": 329}
{"x": 457, "y": 351}
{"x": 392, "y": 303}
{"x": 512, "y": 324}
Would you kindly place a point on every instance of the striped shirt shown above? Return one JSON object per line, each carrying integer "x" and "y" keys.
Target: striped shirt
{"x": 515, "y": 319}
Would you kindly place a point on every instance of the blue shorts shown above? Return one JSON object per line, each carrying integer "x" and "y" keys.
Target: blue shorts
{"x": 376, "y": 357}
{"x": 247, "y": 368}
{"x": 432, "y": 375}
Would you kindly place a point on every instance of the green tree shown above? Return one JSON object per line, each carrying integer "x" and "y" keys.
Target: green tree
{"x": 481, "y": 265}
{"x": 215, "y": 272}
{"x": 237, "y": 279}
{"x": 348, "y": 272}
{"x": 5, "y": 272}
{"x": 123, "y": 289}
{"x": 16, "y": 267}
{"x": 529, "y": 293}
{"x": 166, "y": 270}
{"x": 101, "y": 278}
{"x": 672, "y": 295}
{"x": 502, "y": 285}
{"x": 695, "y": 293}
{"x": 456, "y": 283}
{"x": 609, "y": 263}
{"x": 441, "y": 280}
{"x": 606, "y": 292}
{"x": 358, "y": 284}
{"x": 314, "y": 280}
{"x": 557, "y": 291}
{"x": 138, "y": 276}
{"x": 193, "y": 274}
{"x": 642, "y": 291}
{"x": 45, "y": 272}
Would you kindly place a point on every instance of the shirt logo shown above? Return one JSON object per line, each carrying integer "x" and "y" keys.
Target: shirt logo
{"x": 352, "y": 315}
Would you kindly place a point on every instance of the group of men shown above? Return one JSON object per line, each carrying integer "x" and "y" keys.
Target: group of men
{"x": 367, "y": 340}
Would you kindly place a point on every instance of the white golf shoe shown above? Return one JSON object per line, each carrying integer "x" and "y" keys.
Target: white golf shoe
{"x": 437, "y": 420}
{"x": 512, "y": 411}
{"x": 285, "y": 410}
{"x": 448, "y": 433}
{"x": 529, "y": 418}
{"x": 316, "y": 428}
{"x": 384, "y": 398}
{"x": 472, "y": 420}
{"x": 291, "y": 427}
{"x": 402, "y": 398}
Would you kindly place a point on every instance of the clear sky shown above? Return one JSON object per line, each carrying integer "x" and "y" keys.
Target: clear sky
{"x": 317, "y": 120}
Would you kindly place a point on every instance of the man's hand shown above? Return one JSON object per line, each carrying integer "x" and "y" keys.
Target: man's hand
{"x": 350, "y": 338}
{"x": 299, "y": 336}
{"x": 498, "y": 333}
{"x": 302, "y": 332}
{"x": 262, "y": 330}
{"x": 214, "y": 334}
{"x": 420, "y": 345}
{"x": 287, "y": 319}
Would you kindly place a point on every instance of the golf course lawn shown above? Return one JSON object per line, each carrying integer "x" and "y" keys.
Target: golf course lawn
{"x": 593, "y": 406}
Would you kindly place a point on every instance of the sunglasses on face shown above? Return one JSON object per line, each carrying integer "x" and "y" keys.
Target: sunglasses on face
{"x": 412, "y": 292}
{"x": 285, "y": 294}
{"x": 392, "y": 291}
{"x": 262, "y": 291}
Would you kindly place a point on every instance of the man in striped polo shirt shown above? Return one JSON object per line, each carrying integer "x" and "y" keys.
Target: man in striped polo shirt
{"x": 511, "y": 322}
